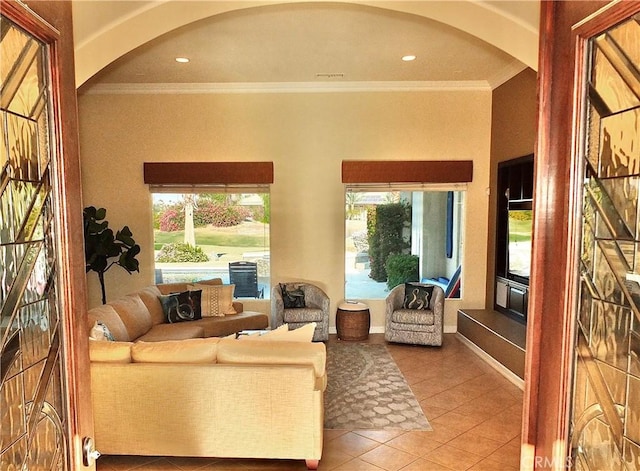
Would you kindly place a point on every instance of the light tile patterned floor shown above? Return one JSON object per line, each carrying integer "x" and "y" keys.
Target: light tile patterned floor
{"x": 474, "y": 411}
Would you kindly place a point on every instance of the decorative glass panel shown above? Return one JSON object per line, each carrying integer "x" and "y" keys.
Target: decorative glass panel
{"x": 32, "y": 406}
{"x": 605, "y": 419}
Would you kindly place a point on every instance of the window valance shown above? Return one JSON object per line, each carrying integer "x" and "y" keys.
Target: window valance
{"x": 208, "y": 173}
{"x": 407, "y": 171}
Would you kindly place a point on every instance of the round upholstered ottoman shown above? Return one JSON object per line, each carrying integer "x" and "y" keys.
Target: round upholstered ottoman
{"x": 353, "y": 321}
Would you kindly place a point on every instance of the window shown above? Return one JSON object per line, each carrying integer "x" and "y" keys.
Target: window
{"x": 197, "y": 235}
{"x": 405, "y": 235}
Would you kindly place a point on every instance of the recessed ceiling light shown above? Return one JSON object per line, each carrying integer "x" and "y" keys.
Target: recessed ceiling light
{"x": 408, "y": 58}
{"x": 182, "y": 60}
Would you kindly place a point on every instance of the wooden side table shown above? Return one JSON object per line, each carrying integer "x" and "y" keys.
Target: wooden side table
{"x": 353, "y": 321}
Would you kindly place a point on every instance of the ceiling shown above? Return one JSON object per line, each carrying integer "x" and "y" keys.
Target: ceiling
{"x": 312, "y": 43}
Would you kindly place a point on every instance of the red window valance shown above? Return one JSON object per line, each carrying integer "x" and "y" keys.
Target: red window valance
{"x": 208, "y": 173}
{"x": 407, "y": 171}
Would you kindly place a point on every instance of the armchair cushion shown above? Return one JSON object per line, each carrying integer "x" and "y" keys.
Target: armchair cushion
{"x": 417, "y": 296}
{"x": 413, "y": 316}
{"x": 303, "y": 314}
{"x": 292, "y": 296}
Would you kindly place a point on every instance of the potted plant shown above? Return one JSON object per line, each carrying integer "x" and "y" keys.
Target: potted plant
{"x": 101, "y": 246}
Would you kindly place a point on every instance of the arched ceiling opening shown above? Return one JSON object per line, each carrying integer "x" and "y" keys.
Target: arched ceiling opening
{"x": 106, "y": 31}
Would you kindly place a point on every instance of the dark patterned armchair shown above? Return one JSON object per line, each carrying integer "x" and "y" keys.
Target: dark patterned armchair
{"x": 414, "y": 326}
{"x": 316, "y": 310}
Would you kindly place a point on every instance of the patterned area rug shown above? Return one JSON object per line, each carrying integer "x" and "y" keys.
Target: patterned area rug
{"x": 366, "y": 391}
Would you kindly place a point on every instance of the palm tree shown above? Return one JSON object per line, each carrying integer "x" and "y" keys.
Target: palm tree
{"x": 352, "y": 199}
{"x": 189, "y": 231}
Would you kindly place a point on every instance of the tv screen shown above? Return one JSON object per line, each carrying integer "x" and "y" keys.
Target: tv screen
{"x": 520, "y": 230}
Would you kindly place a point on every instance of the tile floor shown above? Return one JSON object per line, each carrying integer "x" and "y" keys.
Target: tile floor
{"x": 474, "y": 411}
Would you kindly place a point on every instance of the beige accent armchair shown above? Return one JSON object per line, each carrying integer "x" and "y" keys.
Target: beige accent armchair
{"x": 414, "y": 326}
{"x": 316, "y": 310}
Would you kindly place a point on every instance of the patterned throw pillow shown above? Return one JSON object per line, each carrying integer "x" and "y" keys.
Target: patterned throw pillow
{"x": 292, "y": 296}
{"x": 100, "y": 331}
{"x": 217, "y": 300}
{"x": 181, "y": 307}
{"x": 416, "y": 296}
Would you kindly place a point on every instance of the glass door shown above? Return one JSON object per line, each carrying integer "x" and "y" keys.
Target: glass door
{"x": 33, "y": 411}
{"x": 605, "y": 415}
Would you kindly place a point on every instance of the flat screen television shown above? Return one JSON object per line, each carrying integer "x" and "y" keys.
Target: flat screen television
{"x": 519, "y": 253}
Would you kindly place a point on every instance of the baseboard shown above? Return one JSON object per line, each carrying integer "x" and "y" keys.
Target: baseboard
{"x": 499, "y": 367}
{"x": 379, "y": 329}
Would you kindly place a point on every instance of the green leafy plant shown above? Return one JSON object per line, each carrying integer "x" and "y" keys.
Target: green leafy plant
{"x": 177, "y": 252}
{"x": 401, "y": 268}
{"x": 385, "y": 236}
{"x": 103, "y": 249}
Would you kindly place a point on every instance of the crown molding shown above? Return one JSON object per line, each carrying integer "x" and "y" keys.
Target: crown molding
{"x": 281, "y": 87}
{"x": 506, "y": 74}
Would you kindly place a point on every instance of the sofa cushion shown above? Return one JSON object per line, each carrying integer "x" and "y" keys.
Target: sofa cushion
{"x": 168, "y": 288}
{"x": 134, "y": 315}
{"x": 217, "y": 301}
{"x": 413, "y": 316}
{"x": 183, "y": 330}
{"x": 259, "y": 333}
{"x": 109, "y": 317}
{"x": 273, "y": 353}
{"x": 182, "y": 307}
{"x": 301, "y": 334}
{"x": 150, "y": 296}
{"x": 222, "y": 326}
{"x": 176, "y": 351}
{"x": 110, "y": 352}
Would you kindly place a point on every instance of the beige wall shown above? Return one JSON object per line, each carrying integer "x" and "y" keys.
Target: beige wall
{"x": 513, "y": 134}
{"x": 306, "y": 135}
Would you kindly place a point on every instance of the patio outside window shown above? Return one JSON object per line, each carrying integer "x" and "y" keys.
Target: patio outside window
{"x": 389, "y": 233}
{"x": 197, "y": 235}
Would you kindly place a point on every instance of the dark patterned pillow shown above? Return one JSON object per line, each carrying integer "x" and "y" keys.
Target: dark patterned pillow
{"x": 292, "y": 296}
{"x": 180, "y": 307}
{"x": 416, "y": 296}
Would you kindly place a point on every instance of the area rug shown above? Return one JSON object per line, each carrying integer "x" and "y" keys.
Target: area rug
{"x": 366, "y": 391}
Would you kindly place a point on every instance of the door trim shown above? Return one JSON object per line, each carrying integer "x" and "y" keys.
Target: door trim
{"x": 51, "y": 23}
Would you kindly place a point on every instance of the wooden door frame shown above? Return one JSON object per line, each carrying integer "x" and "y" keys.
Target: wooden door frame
{"x": 51, "y": 22}
{"x": 550, "y": 332}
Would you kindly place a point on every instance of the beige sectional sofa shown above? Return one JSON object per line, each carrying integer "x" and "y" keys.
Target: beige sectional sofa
{"x": 139, "y": 317}
{"x": 210, "y": 397}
